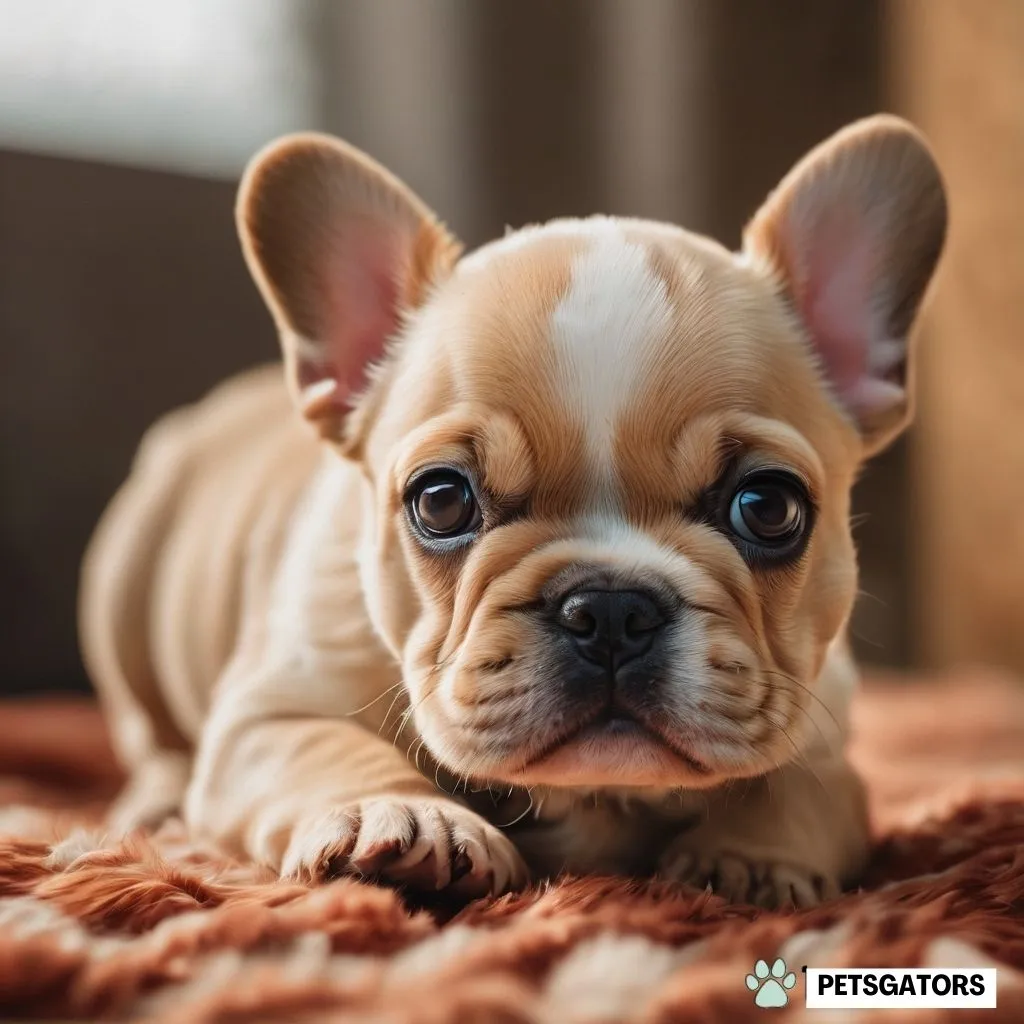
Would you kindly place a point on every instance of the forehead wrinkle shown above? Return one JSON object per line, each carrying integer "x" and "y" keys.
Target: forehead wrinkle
{"x": 449, "y": 436}
{"x": 776, "y": 438}
{"x": 698, "y": 369}
{"x": 500, "y": 345}
{"x": 505, "y": 458}
{"x": 699, "y": 456}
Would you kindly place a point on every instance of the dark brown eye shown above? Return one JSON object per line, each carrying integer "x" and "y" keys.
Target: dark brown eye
{"x": 443, "y": 504}
{"x": 769, "y": 511}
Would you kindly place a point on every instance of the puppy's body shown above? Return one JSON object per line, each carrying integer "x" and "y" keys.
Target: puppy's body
{"x": 278, "y": 626}
{"x": 226, "y": 499}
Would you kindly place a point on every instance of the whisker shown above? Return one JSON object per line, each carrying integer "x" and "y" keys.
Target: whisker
{"x": 406, "y": 717}
{"x": 873, "y": 597}
{"x": 417, "y": 742}
{"x": 877, "y": 645}
{"x": 391, "y": 707}
{"x": 766, "y": 673}
{"x": 806, "y": 689}
{"x": 817, "y": 725}
{"x": 380, "y": 696}
{"x": 529, "y": 793}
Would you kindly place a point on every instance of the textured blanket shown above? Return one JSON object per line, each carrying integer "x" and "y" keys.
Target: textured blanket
{"x": 157, "y": 928}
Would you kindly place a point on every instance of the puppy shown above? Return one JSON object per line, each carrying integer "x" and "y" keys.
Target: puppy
{"x": 560, "y": 579}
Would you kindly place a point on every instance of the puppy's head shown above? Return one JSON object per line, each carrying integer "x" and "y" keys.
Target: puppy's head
{"x": 607, "y": 462}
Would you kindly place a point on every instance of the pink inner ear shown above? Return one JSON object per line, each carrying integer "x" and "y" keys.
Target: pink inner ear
{"x": 835, "y": 307}
{"x": 359, "y": 299}
{"x": 837, "y": 301}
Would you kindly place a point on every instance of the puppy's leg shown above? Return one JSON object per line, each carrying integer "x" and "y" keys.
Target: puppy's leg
{"x": 114, "y": 626}
{"x": 795, "y": 836}
{"x": 316, "y": 797}
{"x": 155, "y": 791}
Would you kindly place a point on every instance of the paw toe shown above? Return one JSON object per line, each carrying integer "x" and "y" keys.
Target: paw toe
{"x": 740, "y": 879}
{"x": 423, "y": 845}
{"x": 784, "y": 887}
{"x": 730, "y": 879}
{"x": 321, "y": 849}
{"x": 386, "y": 832}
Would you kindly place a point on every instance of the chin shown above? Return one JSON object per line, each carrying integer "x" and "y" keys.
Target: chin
{"x": 614, "y": 752}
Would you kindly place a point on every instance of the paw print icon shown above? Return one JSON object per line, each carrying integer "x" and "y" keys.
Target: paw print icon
{"x": 772, "y": 985}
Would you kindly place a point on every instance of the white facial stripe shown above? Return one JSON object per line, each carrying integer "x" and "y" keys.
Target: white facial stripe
{"x": 632, "y": 548}
{"x": 615, "y": 310}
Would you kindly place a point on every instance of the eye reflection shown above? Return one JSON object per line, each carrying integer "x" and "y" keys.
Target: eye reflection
{"x": 769, "y": 510}
{"x": 443, "y": 504}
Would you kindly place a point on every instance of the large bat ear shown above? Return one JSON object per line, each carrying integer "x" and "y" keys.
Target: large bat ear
{"x": 340, "y": 250}
{"x": 853, "y": 234}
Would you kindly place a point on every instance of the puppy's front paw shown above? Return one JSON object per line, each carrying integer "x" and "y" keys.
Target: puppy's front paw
{"x": 420, "y": 843}
{"x": 740, "y": 878}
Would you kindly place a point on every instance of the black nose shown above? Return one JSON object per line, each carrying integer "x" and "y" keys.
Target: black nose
{"x": 611, "y": 627}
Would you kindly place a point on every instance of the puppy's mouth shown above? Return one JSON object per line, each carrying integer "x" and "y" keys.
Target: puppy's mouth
{"x": 612, "y": 738}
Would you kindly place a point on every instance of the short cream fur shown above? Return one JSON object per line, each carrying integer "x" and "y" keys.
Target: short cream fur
{"x": 288, "y": 661}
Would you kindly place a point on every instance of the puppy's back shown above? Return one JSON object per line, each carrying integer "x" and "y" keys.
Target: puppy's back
{"x": 161, "y": 589}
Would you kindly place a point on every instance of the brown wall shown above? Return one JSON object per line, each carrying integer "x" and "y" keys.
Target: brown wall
{"x": 122, "y": 293}
{"x": 959, "y": 72}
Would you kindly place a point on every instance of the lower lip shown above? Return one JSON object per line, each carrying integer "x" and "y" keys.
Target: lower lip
{"x": 617, "y": 745}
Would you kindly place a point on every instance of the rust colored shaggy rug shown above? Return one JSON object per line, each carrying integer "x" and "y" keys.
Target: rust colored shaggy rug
{"x": 157, "y": 928}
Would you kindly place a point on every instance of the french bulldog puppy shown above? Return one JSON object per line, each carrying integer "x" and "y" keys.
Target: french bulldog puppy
{"x": 560, "y": 578}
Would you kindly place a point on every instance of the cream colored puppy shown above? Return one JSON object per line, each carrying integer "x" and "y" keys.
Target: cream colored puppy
{"x": 563, "y": 583}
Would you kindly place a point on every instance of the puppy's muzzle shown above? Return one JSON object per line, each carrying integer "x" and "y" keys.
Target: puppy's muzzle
{"x": 608, "y": 667}
{"x": 610, "y": 628}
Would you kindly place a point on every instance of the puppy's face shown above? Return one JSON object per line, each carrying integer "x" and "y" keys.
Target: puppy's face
{"x": 607, "y": 462}
{"x": 622, "y": 501}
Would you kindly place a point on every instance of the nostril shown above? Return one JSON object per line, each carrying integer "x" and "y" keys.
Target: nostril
{"x": 641, "y": 618}
{"x": 576, "y": 617}
{"x": 611, "y": 618}
{"x": 611, "y": 627}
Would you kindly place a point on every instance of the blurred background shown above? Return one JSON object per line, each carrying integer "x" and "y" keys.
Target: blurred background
{"x": 124, "y": 127}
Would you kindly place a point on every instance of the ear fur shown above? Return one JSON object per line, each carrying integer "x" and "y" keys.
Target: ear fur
{"x": 853, "y": 235}
{"x": 341, "y": 250}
